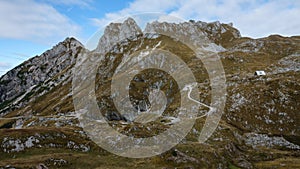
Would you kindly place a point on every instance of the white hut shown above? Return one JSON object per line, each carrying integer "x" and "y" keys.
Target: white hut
{"x": 260, "y": 73}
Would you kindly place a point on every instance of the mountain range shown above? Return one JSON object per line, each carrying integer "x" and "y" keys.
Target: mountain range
{"x": 259, "y": 128}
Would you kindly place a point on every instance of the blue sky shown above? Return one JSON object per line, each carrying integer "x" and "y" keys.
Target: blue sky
{"x": 30, "y": 27}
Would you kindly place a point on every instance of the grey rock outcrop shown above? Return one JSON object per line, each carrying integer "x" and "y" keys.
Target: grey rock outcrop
{"x": 39, "y": 69}
{"x": 116, "y": 32}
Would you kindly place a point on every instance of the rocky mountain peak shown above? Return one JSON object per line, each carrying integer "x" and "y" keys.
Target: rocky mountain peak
{"x": 68, "y": 43}
{"x": 116, "y": 32}
{"x": 39, "y": 69}
{"x": 214, "y": 31}
{"x": 129, "y": 29}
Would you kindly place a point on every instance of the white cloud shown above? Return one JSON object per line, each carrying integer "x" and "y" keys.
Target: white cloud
{"x": 30, "y": 20}
{"x": 138, "y": 6}
{"x": 255, "y": 18}
{"x": 4, "y": 66}
{"x": 275, "y": 17}
{"x": 80, "y": 3}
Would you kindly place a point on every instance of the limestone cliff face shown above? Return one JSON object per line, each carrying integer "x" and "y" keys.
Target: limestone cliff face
{"x": 39, "y": 70}
{"x": 116, "y": 32}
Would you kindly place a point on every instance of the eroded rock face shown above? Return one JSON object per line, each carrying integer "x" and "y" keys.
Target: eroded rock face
{"x": 39, "y": 70}
{"x": 117, "y": 32}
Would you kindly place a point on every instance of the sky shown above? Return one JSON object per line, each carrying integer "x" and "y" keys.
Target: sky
{"x": 30, "y": 27}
